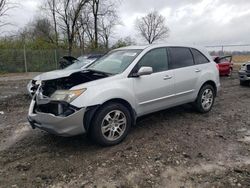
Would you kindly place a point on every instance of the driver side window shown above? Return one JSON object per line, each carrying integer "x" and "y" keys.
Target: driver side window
{"x": 156, "y": 58}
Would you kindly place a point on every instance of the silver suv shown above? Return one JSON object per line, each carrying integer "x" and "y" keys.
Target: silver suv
{"x": 105, "y": 99}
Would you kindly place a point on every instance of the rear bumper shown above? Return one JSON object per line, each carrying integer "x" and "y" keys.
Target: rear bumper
{"x": 64, "y": 126}
{"x": 244, "y": 76}
{"x": 224, "y": 72}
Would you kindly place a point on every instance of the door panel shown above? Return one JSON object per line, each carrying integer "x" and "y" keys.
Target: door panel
{"x": 154, "y": 92}
{"x": 186, "y": 73}
{"x": 185, "y": 82}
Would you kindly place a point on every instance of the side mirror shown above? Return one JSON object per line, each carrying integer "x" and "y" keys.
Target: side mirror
{"x": 145, "y": 71}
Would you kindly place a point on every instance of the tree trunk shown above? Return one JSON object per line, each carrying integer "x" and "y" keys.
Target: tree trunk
{"x": 70, "y": 48}
{"x": 55, "y": 26}
{"x": 95, "y": 14}
{"x": 107, "y": 42}
{"x": 96, "y": 32}
{"x": 53, "y": 9}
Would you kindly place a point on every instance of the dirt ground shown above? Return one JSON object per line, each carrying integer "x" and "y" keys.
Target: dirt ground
{"x": 173, "y": 148}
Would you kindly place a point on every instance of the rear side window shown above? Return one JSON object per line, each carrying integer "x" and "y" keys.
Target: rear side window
{"x": 180, "y": 57}
{"x": 199, "y": 58}
{"x": 156, "y": 58}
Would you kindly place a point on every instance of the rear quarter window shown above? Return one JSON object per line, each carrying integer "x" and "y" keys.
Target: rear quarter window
{"x": 199, "y": 58}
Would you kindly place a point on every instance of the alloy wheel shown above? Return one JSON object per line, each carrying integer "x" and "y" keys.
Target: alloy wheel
{"x": 114, "y": 125}
{"x": 207, "y": 99}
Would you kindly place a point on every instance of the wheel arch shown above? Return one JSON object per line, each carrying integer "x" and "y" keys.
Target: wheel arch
{"x": 91, "y": 111}
{"x": 212, "y": 83}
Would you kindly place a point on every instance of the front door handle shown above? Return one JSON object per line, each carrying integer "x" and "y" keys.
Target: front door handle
{"x": 197, "y": 70}
{"x": 167, "y": 77}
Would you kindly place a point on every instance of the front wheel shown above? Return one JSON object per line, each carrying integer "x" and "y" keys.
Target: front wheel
{"x": 205, "y": 99}
{"x": 111, "y": 124}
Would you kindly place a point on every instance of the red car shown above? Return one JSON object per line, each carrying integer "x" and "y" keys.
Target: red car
{"x": 225, "y": 65}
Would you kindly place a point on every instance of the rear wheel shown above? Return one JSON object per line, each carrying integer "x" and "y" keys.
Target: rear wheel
{"x": 205, "y": 99}
{"x": 111, "y": 124}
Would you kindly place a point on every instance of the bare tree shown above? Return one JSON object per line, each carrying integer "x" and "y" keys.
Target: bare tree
{"x": 51, "y": 6}
{"x": 100, "y": 9}
{"x": 69, "y": 12}
{"x": 83, "y": 22}
{"x": 86, "y": 27}
{"x": 5, "y": 6}
{"x": 152, "y": 27}
{"x": 41, "y": 28}
{"x": 81, "y": 32}
{"x": 95, "y": 10}
{"x": 107, "y": 24}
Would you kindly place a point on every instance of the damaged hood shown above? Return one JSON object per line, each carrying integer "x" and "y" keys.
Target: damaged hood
{"x": 55, "y": 74}
{"x": 101, "y": 82}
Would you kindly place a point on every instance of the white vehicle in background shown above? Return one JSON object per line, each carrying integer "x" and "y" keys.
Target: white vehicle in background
{"x": 76, "y": 66}
{"x": 244, "y": 74}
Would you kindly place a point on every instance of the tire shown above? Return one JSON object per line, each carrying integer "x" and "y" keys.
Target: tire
{"x": 244, "y": 83}
{"x": 205, "y": 99}
{"x": 106, "y": 129}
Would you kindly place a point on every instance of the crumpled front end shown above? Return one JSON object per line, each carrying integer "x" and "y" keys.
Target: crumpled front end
{"x": 56, "y": 117}
{"x": 51, "y": 108}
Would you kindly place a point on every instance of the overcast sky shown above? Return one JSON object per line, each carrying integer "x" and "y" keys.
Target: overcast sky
{"x": 201, "y": 22}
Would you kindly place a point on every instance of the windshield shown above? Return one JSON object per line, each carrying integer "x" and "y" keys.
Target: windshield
{"x": 78, "y": 64}
{"x": 115, "y": 62}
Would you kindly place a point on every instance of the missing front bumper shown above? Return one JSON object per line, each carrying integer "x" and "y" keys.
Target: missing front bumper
{"x": 66, "y": 125}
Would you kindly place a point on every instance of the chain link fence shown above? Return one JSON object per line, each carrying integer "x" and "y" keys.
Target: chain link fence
{"x": 26, "y": 60}
{"x": 239, "y": 52}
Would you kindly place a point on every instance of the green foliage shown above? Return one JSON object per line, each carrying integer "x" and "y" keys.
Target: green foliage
{"x": 123, "y": 42}
{"x": 41, "y": 55}
{"x": 38, "y": 43}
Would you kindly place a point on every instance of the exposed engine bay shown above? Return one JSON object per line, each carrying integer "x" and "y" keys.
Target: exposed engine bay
{"x": 61, "y": 108}
{"x": 50, "y": 86}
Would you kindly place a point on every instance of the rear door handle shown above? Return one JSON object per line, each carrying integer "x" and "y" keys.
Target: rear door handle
{"x": 197, "y": 70}
{"x": 167, "y": 77}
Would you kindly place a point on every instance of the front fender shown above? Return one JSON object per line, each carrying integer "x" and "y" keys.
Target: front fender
{"x": 97, "y": 95}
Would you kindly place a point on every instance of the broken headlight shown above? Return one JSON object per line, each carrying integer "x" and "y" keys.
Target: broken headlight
{"x": 67, "y": 95}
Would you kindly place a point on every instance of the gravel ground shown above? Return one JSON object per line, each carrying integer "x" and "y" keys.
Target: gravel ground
{"x": 173, "y": 148}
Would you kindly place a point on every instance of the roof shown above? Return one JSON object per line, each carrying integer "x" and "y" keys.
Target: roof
{"x": 152, "y": 46}
{"x": 142, "y": 47}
